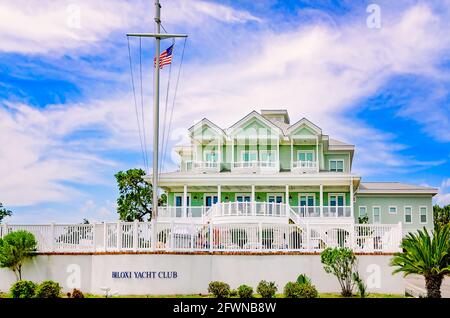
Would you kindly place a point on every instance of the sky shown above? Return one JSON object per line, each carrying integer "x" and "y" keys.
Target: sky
{"x": 375, "y": 74}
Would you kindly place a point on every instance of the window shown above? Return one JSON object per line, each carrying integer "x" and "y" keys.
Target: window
{"x": 249, "y": 156}
{"x": 337, "y": 165}
{"x": 408, "y": 214}
{"x": 376, "y": 214}
{"x": 337, "y": 200}
{"x": 267, "y": 155}
{"x": 362, "y": 211}
{"x": 423, "y": 214}
{"x": 305, "y": 156}
{"x": 307, "y": 200}
{"x": 392, "y": 210}
{"x": 210, "y": 156}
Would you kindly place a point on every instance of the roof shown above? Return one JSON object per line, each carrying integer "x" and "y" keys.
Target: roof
{"x": 394, "y": 188}
{"x": 277, "y": 112}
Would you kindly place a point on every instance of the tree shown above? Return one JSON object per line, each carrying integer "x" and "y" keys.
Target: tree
{"x": 135, "y": 199}
{"x": 4, "y": 212}
{"x": 15, "y": 248}
{"x": 426, "y": 255}
{"x": 341, "y": 262}
{"x": 441, "y": 215}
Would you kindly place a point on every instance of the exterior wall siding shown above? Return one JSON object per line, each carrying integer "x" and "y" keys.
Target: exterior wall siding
{"x": 385, "y": 201}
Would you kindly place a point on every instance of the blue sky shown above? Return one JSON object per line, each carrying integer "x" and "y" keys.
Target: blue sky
{"x": 67, "y": 117}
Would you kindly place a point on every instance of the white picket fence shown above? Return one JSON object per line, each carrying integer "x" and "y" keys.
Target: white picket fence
{"x": 191, "y": 237}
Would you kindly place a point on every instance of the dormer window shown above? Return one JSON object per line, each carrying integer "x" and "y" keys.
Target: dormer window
{"x": 303, "y": 155}
{"x": 267, "y": 155}
{"x": 337, "y": 165}
{"x": 210, "y": 156}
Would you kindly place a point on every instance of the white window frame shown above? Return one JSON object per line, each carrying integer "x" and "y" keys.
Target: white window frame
{"x": 359, "y": 210}
{"x": 243, "y": 194}
{"x": 249, "y": 152}
{"x": 275, "y": 194}
{"x": 181, "y": 194}
{"x": 332, "y": 194}
{"x": 273, "y": 151}
{"x": 210, "y": 195}
{"x": 373, "y": 214}
{"x": 420, "y": 214}
{"x": 306, "y": 151}
{"x": 404, "y": 214}
{"x": 392, "y": 206}
{"x": 205, "y": 152}
{"x": 337, "y": 160}
{"x": 307, "y": 194}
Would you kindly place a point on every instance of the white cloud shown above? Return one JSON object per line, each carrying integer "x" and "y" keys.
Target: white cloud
{"x": 59, "y": 26}
{"x": 443, "y": 196}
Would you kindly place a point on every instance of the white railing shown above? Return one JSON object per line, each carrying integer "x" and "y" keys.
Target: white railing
{"x": 188, "y": 236}
{"x": 250, "y": 209}
{"x": 255, "y": 164}
{"x": 304, "y": 164}
{"x": 327, "y": 211}
{"x": 179, "y": 211}
{"x": 337, "y": 211}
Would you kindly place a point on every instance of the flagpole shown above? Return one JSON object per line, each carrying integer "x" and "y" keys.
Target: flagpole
{"x": 156, "y": 113}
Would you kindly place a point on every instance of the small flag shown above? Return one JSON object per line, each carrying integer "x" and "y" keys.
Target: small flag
{"x": 165, "y": 58}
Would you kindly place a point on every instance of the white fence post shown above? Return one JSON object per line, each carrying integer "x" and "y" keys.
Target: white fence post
{"x": 192, "y": 234}
{"x": 135, "y": 236}
{"x": 154, "y": 234}
{"x": 352, "y": 237}
{"x": 399, "y": 236}
{"x": 308, "y": 234}
{"x": 170, "y": 238}
{"x": 94, "y": 243}
{"x": 52, "y": 237}
{"x": 211, "y": 237}
{"x": 260, "y": 236}
{"x": 119, "y": 235}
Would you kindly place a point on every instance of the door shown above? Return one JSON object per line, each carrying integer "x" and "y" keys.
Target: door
{"x": 243, "y": 204}
{"x": 275, "y": 206}
{"x": 179, "y": 205}
{"x": 307, "y": 207}
{"x": 210, "y": 200}
{"x": 337, "y": 203}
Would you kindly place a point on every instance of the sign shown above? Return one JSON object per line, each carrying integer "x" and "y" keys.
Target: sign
{"x": 145, "y": 275}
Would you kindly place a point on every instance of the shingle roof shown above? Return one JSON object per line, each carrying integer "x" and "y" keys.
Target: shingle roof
{"x": 394, "y": 187}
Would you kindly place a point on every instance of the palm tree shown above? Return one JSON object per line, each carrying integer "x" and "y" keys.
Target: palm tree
{"x": 428, "y": 255}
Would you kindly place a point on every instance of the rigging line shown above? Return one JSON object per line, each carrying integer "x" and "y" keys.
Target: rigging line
{"x": 142, "y": 101}
{"x": 135, "y": 104}
{"x": 174, "y": 97}
{"x": 165, "y": 116}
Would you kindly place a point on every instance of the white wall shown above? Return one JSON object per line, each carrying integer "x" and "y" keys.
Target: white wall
{"x": 91, "y": 272}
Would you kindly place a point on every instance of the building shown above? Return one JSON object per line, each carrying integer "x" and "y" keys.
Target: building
{"x": 265, "y": 169}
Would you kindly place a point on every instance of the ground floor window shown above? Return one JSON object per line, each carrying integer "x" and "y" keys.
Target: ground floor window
{"x": 408, "y": 214}
{"x": 423, "y": 214}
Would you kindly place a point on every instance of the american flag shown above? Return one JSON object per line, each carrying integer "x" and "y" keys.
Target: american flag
{"x": 165, "y": 57}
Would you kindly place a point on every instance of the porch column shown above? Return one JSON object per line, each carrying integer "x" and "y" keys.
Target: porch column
{"x": 287, "y": 200}
{"x": 219, "y": 154}
{"x": 317, "y": 153}
{"x": 219, "y": 197}
{"x": 321, "y": 200}
{"x": 278, "y": 153}
{"x": 292, "y": 152}
{"x": 253, "y": 205}
{"x": 351, "y": 197}
{"x": 185, "y": 210}
{"x": 232, "y": 153}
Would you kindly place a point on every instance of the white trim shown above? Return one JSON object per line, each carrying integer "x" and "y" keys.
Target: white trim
{"x": 379, "y": 214}
{"x": 274, "y": 158}
{"x": 404, "y": 214}
{"x": 275, "y": 194}
{"x": 359, "y": 210}
{"x": 392, "y": 206}
{"x": 307, "y": 123}
{"x": 307, "y": 194}
{"x": 420, "y": 214}
{"x": 181, "y": 194}
{"x": 329, "y": 165}
{"x": 243, "y": 194}
{"x": 334, "y": 194}
{"x": 248, "y": 117}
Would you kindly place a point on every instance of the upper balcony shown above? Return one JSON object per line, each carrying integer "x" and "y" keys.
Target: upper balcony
{"x": 255, "y": 166}
{"x": 304, "y": 166}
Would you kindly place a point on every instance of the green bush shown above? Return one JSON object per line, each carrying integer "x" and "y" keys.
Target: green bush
{"x": 23, "y": 289}
{"x": 245, "y": 291}
{"x": 48, "y": 289}
{"x": 233, "y": 293}
{"x": 362, "y": 288}
{"x": 76, "y": 293}
{"x": 296, "y": 290}
{"x": 15, "y": 248}
{"x": 266, "y": 289}
{"x": 303, "y": 279}
{"x": 341, "y": 262}
{"x": 219, "y": 289}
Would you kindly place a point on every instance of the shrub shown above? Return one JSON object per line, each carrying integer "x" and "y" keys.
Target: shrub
{"x": 341, "y": 262}
{"x": 266, "y": 289}
{"x": 303, "y": 279}
{"x": 15, "y": 248}
{"x": 219, "y": 289}
{"x": 233, "y": 293}
{"x": 76, "y": 293}
{"x": 48, "y": 289}
{"x": 362, "y": 288}
{"x": 296, "y": 290}
{"x": 23, "y": 289}
{"x": 245, "y": 291}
